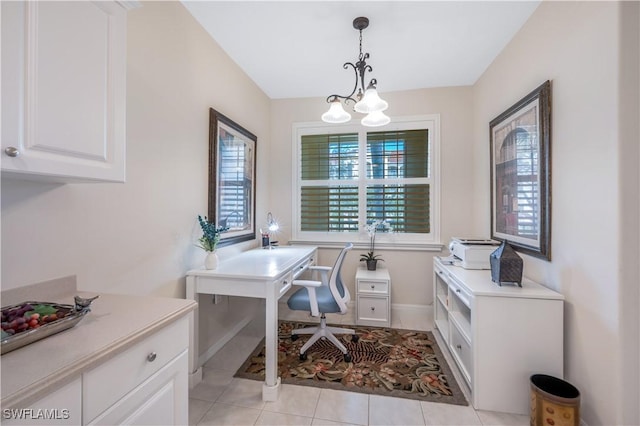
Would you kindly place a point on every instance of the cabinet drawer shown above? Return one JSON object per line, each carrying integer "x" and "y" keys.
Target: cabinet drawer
{"x": 461, "y": 351}
{"x": 373, "y": 308}
{"x": 107, "y": 383}
{"x": 378, "y": 287}
{"x": 161, "y": 399}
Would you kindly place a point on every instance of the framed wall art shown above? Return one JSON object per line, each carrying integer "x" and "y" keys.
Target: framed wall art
{"x": 520, "y": 140}
{"x": 232, "y": 179}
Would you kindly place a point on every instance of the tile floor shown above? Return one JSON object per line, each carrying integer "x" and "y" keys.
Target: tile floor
{"x": 222, "y": 399}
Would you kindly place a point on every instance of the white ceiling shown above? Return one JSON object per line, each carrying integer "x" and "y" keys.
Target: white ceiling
{"x": 296, "y": 49}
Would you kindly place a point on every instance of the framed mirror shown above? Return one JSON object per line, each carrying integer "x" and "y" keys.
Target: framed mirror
{"x": 232, "y": 184}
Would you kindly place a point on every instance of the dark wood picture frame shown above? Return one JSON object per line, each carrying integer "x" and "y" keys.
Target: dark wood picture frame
{"x": 520, "y": 142}
{"x": 232, "y": 179}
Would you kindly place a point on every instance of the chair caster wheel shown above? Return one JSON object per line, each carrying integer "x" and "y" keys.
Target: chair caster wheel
{"x": 303, "y": 357}
{"x": 294, "y": 337}
{"x": 355, "y": 338}
{"x": 347, "y": 358}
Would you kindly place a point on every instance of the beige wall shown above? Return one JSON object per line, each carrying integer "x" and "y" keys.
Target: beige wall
{"x": 411, "y": 271}
{"x": 138, "y": 237}
{"x": 576, "y": 45}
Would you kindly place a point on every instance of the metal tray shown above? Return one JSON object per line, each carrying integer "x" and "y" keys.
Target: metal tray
{"x": 73, "y": 316}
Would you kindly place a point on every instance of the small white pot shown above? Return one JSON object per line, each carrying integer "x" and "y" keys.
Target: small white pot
{"x": 211, "y": 261}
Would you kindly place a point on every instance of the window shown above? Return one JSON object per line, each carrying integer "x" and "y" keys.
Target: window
{"x": 347, "y": 177}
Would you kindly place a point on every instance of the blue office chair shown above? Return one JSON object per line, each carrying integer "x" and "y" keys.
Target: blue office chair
{"x": 323, "y": 297}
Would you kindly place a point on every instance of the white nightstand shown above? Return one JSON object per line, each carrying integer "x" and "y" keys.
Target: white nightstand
{"x": 373, "y": 297}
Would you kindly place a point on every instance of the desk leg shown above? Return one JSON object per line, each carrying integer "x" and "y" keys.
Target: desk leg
{"x": 271, "y": 384}
{"x": 195, "y": 372}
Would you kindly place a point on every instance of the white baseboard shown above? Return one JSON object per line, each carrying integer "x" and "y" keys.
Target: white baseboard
{"x": 223, "y": 340}
{"x": 412, "y": 309}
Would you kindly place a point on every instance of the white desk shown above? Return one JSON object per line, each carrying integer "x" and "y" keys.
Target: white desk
{"x": 262, "y": 273}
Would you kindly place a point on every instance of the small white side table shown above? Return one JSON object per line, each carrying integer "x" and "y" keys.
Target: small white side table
{"x": 373, "y": 297}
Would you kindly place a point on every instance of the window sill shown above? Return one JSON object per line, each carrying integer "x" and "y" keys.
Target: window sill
{"x": 435, "y": 247}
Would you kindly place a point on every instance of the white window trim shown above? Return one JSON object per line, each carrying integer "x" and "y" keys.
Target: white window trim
{"x": 384, "y": 241}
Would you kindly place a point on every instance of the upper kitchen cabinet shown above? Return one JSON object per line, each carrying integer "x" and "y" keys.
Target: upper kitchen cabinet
{"x": 64, "y": 90}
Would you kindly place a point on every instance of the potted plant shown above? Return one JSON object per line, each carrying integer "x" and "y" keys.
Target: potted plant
{"x": 370, "y": 257}
{"x": 209, "y": 241}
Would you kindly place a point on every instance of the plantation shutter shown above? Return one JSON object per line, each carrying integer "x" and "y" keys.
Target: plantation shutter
{"x": 328, "y": 202}
{"x": 398, "y": 173}
{"x": 333, "y": 209}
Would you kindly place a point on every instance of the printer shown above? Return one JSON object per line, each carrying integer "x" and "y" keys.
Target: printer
{"x": 472, "y": 253}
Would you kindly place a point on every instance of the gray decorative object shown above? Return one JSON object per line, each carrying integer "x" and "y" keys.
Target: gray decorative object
{"x": 506, "y": 265}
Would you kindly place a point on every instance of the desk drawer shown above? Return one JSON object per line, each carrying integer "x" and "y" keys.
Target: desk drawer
{"x": 106, "y": 384}
{"x": 302, "y": 266}
{"x": 284, "y": 284}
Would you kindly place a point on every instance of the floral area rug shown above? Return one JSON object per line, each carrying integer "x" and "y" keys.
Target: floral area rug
{"x": 385, "y": 361}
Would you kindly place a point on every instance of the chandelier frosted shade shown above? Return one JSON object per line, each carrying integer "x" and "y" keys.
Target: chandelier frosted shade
{"x": 375, "y": 119}
{"x": 371, "y": 102}
{"x": 336, "y": 113}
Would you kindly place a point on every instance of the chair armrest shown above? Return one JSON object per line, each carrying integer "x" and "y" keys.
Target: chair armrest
{"x": 320, "y": 268}
{"x": 307, "y": 283}
{"x": 311, "y": 289}
{"x": 324, "y": 273}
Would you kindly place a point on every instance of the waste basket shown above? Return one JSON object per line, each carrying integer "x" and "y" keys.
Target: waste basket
{"x": 554, "y": 402}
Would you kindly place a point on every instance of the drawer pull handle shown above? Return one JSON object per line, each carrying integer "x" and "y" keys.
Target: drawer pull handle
{"x": 152, "y": 357}
{"x": 457, "y": 290}
{"x": 373, "y": 286}
{"x": 373, "y": 308}
{"x": 459, "y": 347}
{"x": 284, "y": 283}
{"x": 12, "y": 151}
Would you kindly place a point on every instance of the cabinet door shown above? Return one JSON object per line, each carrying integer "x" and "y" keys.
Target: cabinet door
{"x": 61, "y": 407}
{"x": 161, "y": 399}
{"x": 63, "y": 90}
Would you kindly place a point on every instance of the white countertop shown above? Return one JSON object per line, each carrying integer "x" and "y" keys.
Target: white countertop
{"x": 114, "y": 324}
{"x": 478, "y": 281}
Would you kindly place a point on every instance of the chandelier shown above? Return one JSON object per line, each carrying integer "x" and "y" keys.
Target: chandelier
{"x": 366, "y": 100}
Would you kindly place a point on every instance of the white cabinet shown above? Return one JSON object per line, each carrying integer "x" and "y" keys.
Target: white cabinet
{"x": 373, "y": 297}
{"x": 62, "y": 407}
{"x": 498, "y": 335}
{"x": 146, "y": 384}
{"x": 63, "y": 90}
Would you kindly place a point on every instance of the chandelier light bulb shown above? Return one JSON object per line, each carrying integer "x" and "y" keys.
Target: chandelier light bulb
{"x": 371, "y": 102}
{"x": 375, "y": 119}
{"x": 336, "y": 113}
